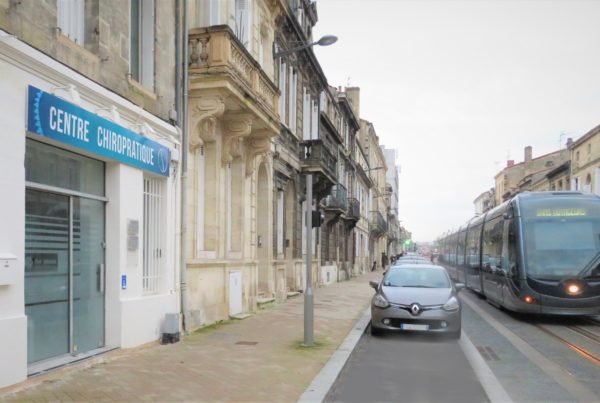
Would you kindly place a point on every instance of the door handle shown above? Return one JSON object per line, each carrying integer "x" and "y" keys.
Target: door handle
{"x": 101, "y": 278}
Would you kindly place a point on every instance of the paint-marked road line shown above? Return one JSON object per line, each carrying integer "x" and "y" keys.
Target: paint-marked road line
{"x": 552, "y": 369}
{"x": 492, "y": 386}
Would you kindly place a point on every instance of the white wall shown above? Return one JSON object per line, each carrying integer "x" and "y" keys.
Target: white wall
{"x": 13, "y": 323}
{"x": 132, "y": 318}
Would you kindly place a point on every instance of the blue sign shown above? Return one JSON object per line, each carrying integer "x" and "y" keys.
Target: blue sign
{"x": 56, "y": 119}
{"x": 123, "y": 282}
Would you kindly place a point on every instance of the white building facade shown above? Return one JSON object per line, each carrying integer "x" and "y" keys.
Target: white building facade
{"x": 90, "y": 207}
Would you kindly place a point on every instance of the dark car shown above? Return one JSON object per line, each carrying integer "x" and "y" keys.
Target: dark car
{"x": 416, "y": 297}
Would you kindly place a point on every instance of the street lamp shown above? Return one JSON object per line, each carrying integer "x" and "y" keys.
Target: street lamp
{"x": 324, "y": 41}
{"x": 373, "y": 169}
{"x": 308, "y": 292}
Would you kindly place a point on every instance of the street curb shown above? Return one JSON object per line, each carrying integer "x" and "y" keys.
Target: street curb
{"x": 490, "y": 383}
{"x": 320, "y": 386}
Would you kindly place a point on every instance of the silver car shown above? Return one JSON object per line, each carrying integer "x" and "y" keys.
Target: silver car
{"x": 416, "y": 297}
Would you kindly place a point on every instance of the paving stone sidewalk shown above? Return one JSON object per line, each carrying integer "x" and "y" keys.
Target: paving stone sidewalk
{"x": 258, "y": 359}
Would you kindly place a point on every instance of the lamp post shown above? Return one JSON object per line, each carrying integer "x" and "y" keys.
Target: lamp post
{"x": 308, "y": 292}
{"x": 324, "y": 41}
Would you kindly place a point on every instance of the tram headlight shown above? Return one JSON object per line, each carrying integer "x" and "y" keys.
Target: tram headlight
{"x": 573, "y": 288}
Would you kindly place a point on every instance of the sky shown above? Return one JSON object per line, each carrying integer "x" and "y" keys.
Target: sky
{"x": 459, "y": 87}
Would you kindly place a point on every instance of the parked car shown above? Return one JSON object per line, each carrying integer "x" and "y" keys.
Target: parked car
{"x": 416, "y": 297}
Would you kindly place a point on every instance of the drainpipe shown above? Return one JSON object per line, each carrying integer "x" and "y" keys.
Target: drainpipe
{"x": 182, "y": 89}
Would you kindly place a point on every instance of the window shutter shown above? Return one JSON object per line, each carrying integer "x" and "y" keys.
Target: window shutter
{"x": 282, "y": 88}
{"x": 215, "y": 12}
{"x": 306, "y": 116}
{"x": 315, "y": 121}
{"x": 147, "y": 47}
{"x": 70, "y": 19}
{"x": 242, "y": 28}
{"x": 293, "y": 104}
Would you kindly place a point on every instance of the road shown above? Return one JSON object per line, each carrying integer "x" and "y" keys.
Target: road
{"x": 531, "y": 359}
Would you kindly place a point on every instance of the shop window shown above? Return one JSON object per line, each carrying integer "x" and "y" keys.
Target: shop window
{"x": 153, "y": 249}
{"x": 141, "y": 50}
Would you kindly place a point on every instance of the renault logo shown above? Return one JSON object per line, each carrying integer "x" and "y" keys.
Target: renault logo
{"x": 415, "y": 309}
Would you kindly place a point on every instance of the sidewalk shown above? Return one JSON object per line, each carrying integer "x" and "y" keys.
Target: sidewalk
{"x": 257, "y": 359}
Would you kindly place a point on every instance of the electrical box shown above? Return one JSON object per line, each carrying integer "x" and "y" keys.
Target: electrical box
{"x": 8, "y": 269}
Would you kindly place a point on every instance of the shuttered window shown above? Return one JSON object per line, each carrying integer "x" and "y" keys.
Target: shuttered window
{"x": 141, "y": 50}
{"x": 242, "y": 21}
{"x": 282, "y": 88}
{"x": 71, "y": 17}
{"x": 153, "y": 235}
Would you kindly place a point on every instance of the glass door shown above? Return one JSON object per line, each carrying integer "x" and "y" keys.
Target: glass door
{"x": 64, "y": 274}
{"x": 47, "y": 275}
{"x": 88, "y": 274}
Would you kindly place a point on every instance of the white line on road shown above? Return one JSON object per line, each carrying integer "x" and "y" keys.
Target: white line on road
{"x": 494, "y": 389}
{"x": 553, "y": 370}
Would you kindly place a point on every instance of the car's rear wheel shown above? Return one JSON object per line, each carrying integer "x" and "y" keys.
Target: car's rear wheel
{"x": 375, "y": 331}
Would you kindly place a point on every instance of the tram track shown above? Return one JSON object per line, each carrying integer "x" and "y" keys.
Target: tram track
{"x": 594, "y": 337}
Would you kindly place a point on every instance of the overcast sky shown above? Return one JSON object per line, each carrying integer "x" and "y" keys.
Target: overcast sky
{"x": 457, "y": 86}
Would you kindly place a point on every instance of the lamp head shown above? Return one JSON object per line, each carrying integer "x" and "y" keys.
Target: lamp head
{"x": 327, "y": 40}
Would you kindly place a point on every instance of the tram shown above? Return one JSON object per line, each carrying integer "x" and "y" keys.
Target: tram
{"x": 536, "y": 253}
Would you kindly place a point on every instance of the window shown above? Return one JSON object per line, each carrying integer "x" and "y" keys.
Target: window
{"x": 589, "y": 148}
{"x": 153, "y": 235}
{"x": 141, "y": 51}
{"x": 306, "y": 110}
{"x": 282, "y": 88}
{"x": 71, "y": 17}
{"x": 242, "y": 21}
{"x": 577, "y": 156}
{"x": 293, "y": 82}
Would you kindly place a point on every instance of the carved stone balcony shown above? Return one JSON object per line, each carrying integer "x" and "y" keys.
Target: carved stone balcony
{"x": 377, "y": 224}
{"x": 228, "y": 84}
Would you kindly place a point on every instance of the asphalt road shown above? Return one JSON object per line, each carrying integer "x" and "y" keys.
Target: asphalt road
{"x": 407, "y": 368}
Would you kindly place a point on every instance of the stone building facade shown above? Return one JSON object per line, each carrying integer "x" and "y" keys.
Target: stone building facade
{"x": 233, "y": 117}
{"x": 585, "y": 162}
{"x": 527, "y": 175}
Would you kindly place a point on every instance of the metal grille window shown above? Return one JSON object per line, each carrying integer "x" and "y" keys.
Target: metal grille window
{"x": 153, "y": 238}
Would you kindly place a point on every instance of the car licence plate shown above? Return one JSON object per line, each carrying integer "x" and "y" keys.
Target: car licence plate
{"x": 408, "y": 326}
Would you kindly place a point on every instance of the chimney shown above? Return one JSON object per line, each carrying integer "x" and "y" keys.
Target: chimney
{"x": 528, "y": 152}
{"x": 569, "y": 142}
{"x": 353, "y": 94}
{"x": 510, "y": 163}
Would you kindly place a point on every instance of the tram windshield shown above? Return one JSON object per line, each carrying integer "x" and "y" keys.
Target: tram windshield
{"x": 561, "y": 236}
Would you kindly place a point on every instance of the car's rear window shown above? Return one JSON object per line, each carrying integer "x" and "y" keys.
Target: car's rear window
{"x": 416, "y": 277}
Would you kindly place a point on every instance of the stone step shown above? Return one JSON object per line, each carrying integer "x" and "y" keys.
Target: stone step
{"x": 264, "y": 300}
{"x": 240, "y": 316}
{"x": 292, "y": 294}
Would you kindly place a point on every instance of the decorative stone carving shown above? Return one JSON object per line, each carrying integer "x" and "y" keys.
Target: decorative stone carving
{"x": 204, "y": 112}
{"x": 258, "y": 144}
{"x": 237, "y": 127}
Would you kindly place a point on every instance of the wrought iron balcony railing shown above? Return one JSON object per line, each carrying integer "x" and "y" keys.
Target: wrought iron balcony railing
{"x": 377, "y": 224}
{"x": 337, "y": 199}
{"x": 353, "y": 209}
{"x": 315, "y": 157}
